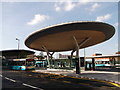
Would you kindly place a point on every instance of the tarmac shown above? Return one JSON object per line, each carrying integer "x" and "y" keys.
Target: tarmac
{"x": 108, "y": 75}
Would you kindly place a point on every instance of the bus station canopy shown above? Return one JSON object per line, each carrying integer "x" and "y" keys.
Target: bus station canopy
{"x": 60, "y": 37}
{"x": 15, "y": 53}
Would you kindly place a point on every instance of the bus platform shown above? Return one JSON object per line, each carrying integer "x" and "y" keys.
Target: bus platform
{"x": 112, "y": 76}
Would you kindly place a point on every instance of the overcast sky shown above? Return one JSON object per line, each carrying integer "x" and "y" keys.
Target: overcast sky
{"x": 20, "y": 19}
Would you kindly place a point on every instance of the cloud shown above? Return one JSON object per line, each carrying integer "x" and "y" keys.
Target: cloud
{"x": 57, "y": 8}
{"x": 95, "y": 6}
{"x": 104, "y": 18}
{"x": 38, "y": 18}
{"x": 69, "y": 6}
{"x": 65, "y": 5}
{"x": 83, "y": 2}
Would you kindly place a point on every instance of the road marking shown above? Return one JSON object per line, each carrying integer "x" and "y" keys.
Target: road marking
{"x": 1, "y": 75}
{"x": 29, "y": 75}
{"x": 114, "y": 84}
{"x": 7, "y": 78}
{"x": 85, "y": 84}
{"x": 22, "y": 83}
{"x": 32, "y": 86}
{"x": 10, "y": 79}
{"x": 67, "y": 81}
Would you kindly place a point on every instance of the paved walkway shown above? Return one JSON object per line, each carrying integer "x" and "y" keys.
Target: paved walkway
{"x": 113, "y": 76}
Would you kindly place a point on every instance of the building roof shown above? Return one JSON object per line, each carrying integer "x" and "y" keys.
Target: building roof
{"x": 60, "y": 37}
{"x": 104, "y": 56}
{"x": 118, "y": 52}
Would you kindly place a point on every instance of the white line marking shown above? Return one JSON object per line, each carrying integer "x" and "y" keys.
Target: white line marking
{"x": 1, "y": 75}
{"x": 22, "y": 83}
{"x": 10, "y": 79}
{"x": 32, "y": 86}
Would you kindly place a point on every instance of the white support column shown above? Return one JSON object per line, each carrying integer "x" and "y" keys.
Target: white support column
{"x": 71, "y": 57}
{"x": 77, "y": 57}
{"x": 82, "y": 43}
{"x": 51, "y": 54}
{"x": 78, "y": 45}
{"x": 48, "y": 58}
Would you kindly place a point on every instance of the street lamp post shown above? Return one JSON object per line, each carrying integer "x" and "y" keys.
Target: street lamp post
{"x": 18, "y": 42}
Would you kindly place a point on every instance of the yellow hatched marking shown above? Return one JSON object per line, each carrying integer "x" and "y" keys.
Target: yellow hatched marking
{"x": 29, "y": 75}
{"x": 67, "y": 81}
{"x": 117, "y": 85}
{"x": 85, "y": 84}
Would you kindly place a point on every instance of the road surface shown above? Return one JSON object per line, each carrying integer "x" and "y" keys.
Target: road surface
{"x": 19, "y": 80}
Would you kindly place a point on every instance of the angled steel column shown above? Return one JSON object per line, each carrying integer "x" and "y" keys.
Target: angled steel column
{"x": 51, "y": 54}
{"x": 48, "y": 58}
{"x": 78, "y": 45}
{"x": 84, "y": 41}
{"x": 77, "y": 56}
{"x": 71, "y": 57}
